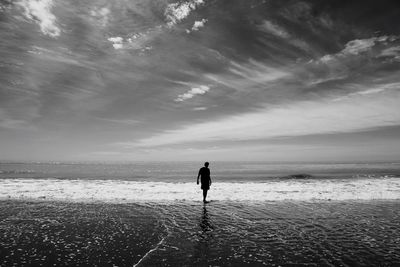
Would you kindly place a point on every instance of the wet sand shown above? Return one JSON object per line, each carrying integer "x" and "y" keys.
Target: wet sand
{"x": 188, "y": 233}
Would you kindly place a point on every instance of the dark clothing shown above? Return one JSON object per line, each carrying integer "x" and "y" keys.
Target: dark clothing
{"x": 205, "y": 178}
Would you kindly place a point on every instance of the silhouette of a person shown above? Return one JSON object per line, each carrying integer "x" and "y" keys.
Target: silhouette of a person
{"x": 204, "y": 173}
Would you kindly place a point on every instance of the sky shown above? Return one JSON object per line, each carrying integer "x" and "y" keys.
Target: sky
{"x": 211, "y": 80}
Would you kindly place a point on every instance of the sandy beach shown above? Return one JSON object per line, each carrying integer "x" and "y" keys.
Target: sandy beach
{"x": 183, "y": 233}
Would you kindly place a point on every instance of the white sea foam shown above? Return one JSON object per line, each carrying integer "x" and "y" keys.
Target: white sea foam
{"x": 133, "y": 191}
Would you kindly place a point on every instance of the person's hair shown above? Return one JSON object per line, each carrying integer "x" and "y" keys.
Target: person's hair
{"x": 206, "y": 164}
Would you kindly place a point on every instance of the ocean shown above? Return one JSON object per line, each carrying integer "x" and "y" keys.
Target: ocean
{"x": 170, "y": 181}
{"x": 151, "y": 214}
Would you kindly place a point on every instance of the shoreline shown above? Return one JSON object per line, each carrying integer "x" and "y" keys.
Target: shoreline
{"x": 130, "y": 191}
{"x": 198, "y": 202}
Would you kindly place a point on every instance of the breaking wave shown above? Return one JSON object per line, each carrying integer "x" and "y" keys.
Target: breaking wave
{"x": 135, "y": 191}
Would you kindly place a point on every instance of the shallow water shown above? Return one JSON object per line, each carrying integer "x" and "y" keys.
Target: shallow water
{"x": 221, "y": 233}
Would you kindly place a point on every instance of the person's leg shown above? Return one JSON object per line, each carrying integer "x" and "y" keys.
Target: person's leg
{"x": 204, "y": 195}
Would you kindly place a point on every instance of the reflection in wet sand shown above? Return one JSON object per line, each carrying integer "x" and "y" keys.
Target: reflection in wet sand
{"x": 203, "y": 248}
{"x": 206, "y": 225}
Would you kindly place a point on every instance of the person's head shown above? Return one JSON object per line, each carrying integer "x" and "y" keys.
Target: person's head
{"x": 206, "y": 164}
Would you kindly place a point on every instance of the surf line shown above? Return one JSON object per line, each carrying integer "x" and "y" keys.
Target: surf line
{"x": 155, "y": 248}
{"x": 150, "y": 251}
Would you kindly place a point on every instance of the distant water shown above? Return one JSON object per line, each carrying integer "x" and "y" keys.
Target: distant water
{"x": 186, "y": 171}
{"x": 160, "y": 181}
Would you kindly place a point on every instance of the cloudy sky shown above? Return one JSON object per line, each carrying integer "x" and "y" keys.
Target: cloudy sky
{"x": 200, "y": 80}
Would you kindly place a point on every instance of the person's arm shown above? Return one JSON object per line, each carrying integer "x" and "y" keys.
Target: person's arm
{"x": 210, "y": 181}
{"x": 198, "y": 176}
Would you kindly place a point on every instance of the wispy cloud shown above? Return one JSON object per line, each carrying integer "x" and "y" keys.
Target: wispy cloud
{"x": 374, "y": 90}
{"x": 276, "y": 30}
{"x": 249, "y": 76}
{"x": 258, "y": 72}
{"x": 60, "y": 55}
{"x": 360, "y": 46}
{"x": 301, "y": 118}
{"x": 345, "y": 63}
{"x": 200, "y": 90}
{"x": 273, "y": 29}
{"x": 40, "y": 11}
{"x": 12, "y": 124}
{"x": 101, "y": 14}
{"x": 200, "y": 108}
{"x": 391, "y": 52}
{"x": 121, "y": 121}
{"x": 7, "y": 122}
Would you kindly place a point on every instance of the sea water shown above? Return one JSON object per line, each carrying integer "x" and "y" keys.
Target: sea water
{"x": 170, "y": 181}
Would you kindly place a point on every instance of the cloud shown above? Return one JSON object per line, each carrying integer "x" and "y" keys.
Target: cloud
{"x": 60, "y": 55}
{"x": 342, "y": 66}
{"x": 256, "y": 71}
{"x": 121, "y": 121}
{"x": 198, "y": 24}
{"x": 12, "y": 124}
{"x": 40, "y": 11}
{"x": 326, "y": 58}
{"x": 274, "y": 29}
{"x": 178, "y": 11}
{"x": 249, "y": 75}
{"x": 117, "y": 42}
{"x": 302, "y": 118}
{"x": 391, "y": 52}
{"x": 101, "y": 15}
{"x": 136, "y": 41}
{"x": 201, "y": 90}
{"x": 174, "y": 13}
{"x": 359, "y": 46}
{"x": 375, "y": 90}
{"x": 278, "y": 31}
{"x": 200, "y": 108}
